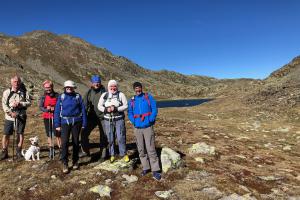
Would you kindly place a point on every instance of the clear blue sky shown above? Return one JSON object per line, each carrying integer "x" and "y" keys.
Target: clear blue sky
{"x": 218, "y": 38}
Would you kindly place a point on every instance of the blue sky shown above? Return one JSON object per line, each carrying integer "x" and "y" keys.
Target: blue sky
{"x": 218, "y": 38}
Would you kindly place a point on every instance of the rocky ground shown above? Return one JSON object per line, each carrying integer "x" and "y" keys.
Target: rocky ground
{"x": 251, "y": 154}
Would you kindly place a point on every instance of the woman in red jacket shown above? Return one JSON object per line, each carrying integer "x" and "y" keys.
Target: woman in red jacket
{"x": 47, "y": 105}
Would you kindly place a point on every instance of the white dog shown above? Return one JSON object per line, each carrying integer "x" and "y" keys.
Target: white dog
{"x": 33, "y": 150}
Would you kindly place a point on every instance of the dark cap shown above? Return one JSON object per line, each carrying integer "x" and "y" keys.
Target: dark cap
{"x": 136, "y": 84}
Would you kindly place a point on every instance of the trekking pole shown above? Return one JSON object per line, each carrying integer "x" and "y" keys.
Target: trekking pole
{"x": 52, "y": 136}
{"x": 14, "y": 133}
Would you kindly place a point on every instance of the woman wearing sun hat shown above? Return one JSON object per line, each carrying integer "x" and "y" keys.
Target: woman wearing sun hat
{"x": 70, "y": 118}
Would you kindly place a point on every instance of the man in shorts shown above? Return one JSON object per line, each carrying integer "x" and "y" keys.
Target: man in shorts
{"x": 15, "y": 101}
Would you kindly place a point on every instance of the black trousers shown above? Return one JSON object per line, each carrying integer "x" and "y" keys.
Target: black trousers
{"x": 93, "y": 122}
{"x": 66, "y": 131}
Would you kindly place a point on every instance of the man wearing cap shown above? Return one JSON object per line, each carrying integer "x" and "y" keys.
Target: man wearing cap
{"x": 69, "y": 118}
{"x": 142, "y": 112}
{"x": 95, "y": 118}
{"x": 114, "y": 103}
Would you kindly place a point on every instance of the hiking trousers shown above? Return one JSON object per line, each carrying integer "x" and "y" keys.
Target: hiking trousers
{"x": 145, "y": 141}
{"x": 92, "y": 124}
{"x": 74, "y": 130}
{"x": 116, "y": 128}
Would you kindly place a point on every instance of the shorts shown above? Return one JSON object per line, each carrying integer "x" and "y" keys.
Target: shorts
{"x": 9, "y": 126}
{"x": 46, "y": 123}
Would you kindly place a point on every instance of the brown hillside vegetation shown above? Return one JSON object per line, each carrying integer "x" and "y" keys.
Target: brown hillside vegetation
{"x": 253, "y": 126}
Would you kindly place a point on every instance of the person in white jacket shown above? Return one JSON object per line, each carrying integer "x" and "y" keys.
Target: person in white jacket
{"x": 113, "y": 103}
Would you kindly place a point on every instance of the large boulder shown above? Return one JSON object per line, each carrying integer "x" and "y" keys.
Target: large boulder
{"x": 116, "y": 166}
{"x": 102, "y": 190}
{"x": 202, "y": 148}
{"x": 170, "y": 159}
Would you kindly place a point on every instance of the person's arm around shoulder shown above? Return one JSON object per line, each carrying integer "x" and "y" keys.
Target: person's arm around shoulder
{"x": 130, "y": 111}
{"x": 41, "y": 104}
{"x": 86, "y": 98}
{"x": 27, "y": 101}
{"x": 153, "y": 115}
{"x": 83, "y": 111}
{"x": 57, "y": 110}
{"x": 101, "y": 103}
{"x": 124, "y": 102}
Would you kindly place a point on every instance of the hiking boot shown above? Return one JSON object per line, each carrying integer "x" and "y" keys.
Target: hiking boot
{"x": 156, "y": 176}
{"x": 126, "y": 158}
{"x": 75, "y": 166}
{"x": 145, "y": 172}
{"x": 4, "y": 154}
{"x": 18, "y": 152}
{"x": 112, "y": 159}
{"x": 65, "y": 168}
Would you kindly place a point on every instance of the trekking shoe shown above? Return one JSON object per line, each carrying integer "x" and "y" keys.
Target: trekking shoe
{"x": 156, "y": 176}
{"x": 112, "y": 159}
{"x": 65, "y": 168}
{"x": 75, "y": 166}
{"x": 4, "y": 154}
{"x": 18, "y": 152}
{"x": 145, "y": 172}
{"x": 126, "y": 158}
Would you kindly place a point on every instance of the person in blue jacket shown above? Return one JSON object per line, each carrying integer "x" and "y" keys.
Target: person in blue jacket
{"x": 142, "y": 112}
{"x": 70, "y": 117}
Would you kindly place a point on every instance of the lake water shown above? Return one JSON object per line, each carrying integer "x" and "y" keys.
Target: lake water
{"x": 181, "y": 103}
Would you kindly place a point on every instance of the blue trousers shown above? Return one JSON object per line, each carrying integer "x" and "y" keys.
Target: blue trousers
{"x": 115, "y": 129}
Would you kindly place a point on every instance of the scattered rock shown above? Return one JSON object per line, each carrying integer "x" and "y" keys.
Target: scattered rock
{"x": 33, "y": 187}
{"x": 235, "y": 196}
{"x": 212, "y": 192}
{"x": 197, "y": 175}
{"x": 102, "y": 190}
{"x": 53, "y": 176}
{"x": 270, "y": 178}
{"x": 34, "y": 166}
{"x": 287, "y": 148}
{"x": 282, "y": 130}
{"x": 205, "y": 137}
{"x": 82, "y": 182}
{"x": 202, "y": 148}
{"x": 108, "y": 181}
{"x": 244, "y": 188}
{"x": 241, "y": 157}
{"x": 164, "y": 194}
{"x": 131, "y": 178}
{"x": 116, "y": 166}
{"x": 169, "y": 159}
{"x": 200, "y": 160}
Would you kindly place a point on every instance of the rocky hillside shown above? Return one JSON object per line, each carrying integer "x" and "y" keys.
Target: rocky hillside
{"x": 40, "y": 54}
{"x": 280, "y": 90}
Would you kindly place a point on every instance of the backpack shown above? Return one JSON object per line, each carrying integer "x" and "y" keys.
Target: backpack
{"x": 145, "y": 97}
{"x": 62, "y": 98}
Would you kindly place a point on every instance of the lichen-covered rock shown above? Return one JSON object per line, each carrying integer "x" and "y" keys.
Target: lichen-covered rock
{"x": 202, "y": 148}
{"x": 169, "y": 159}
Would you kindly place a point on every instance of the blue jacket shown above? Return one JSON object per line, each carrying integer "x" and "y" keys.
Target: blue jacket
{"x": 69, "y": 110}
{"x": 138, "y": 106}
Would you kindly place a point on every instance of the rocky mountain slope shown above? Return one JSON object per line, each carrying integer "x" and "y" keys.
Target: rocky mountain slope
{"x": 280, "y": 90}
{"x": 61, "y": 57}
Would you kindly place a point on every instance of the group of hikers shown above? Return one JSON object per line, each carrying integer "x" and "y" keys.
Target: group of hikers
{"x": 69, "y": 113}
